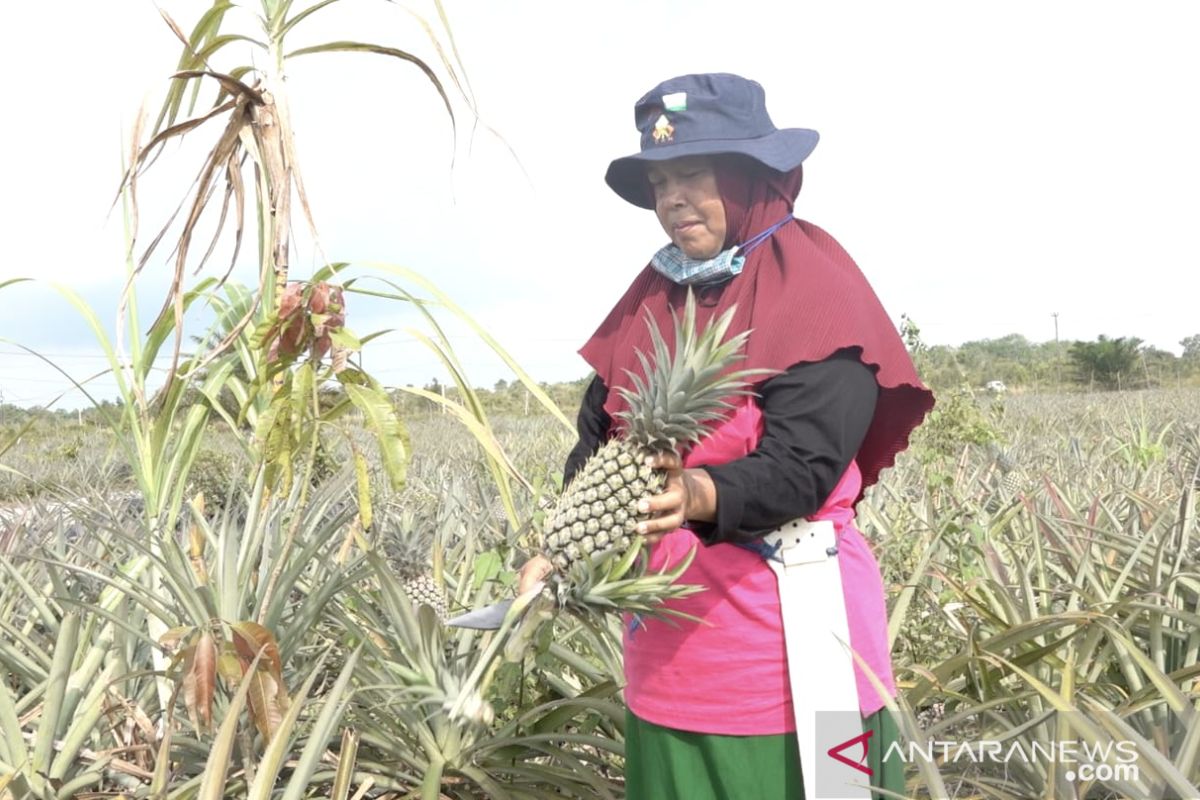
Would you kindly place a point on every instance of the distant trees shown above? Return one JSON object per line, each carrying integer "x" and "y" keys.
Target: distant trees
{"x": 1191, "y": 349}
{"x": 1012, "y": 359}
{"x": 504, "y": 398}
{"x": 1107, "y": 362}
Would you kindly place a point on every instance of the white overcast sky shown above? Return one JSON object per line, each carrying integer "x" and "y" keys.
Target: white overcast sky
{"x": 988, "y": 164}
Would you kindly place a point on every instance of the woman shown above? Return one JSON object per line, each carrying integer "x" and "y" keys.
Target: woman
{"x": 710, "y": 703}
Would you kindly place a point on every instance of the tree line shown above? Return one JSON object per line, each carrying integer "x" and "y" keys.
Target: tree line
{"x": 1106, "y": 363}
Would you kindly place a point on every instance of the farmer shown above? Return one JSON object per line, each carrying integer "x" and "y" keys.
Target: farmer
{"x": 722, "y": 708}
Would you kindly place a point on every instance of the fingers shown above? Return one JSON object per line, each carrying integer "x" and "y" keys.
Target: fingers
{"x": 668, "y": 461}
{"x": 665, "y": 509}
{"x": 672, "y": 498}
{"x": 532, "y": 572}
{"x": 661, "y": 524}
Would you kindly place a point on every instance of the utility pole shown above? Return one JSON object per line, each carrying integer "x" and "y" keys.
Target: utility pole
{"x": 1057, "y": 358}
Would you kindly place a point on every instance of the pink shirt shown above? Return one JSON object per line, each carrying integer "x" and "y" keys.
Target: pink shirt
{"x": 728, "y": 674}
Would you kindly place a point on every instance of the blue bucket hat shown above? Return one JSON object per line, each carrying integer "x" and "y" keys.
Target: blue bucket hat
{"x": 707, "y": 114}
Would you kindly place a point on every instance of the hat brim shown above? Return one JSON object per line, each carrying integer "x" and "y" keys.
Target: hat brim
{"x": 782, "y": 151}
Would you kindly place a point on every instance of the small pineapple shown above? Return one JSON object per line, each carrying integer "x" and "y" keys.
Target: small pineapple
{"x": 1012, "y": 480}
{"x": 422, "y": 589}
{"x": 672, "y": 404}
{"x": 1005, "y": 461}
{"x": 1012, "y": 483}
{"x": 408, "y": 545}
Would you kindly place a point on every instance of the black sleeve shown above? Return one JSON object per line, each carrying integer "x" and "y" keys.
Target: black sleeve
{"x": 815, "y": 417}
{"x": 593, "y": 423}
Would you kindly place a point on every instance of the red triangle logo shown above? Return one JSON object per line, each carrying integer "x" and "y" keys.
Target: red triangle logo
{"x": 835, "y": 752}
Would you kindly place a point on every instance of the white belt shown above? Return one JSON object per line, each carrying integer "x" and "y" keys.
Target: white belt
{"x": 820, "y": 667}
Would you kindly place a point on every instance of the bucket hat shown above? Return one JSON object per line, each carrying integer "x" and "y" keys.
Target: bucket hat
{"x": 705, "y": 114}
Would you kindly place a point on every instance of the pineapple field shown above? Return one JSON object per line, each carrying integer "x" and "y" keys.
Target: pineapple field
{"x": 1041, "y": 586}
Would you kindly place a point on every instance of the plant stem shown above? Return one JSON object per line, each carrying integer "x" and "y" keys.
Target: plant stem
{"x": 294, "y": 523}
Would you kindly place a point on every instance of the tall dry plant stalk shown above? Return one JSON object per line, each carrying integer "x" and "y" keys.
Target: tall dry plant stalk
{"x": 256, "y": 145}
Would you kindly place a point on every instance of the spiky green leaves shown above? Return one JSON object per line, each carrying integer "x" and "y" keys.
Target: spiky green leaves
{"x": 680, "y": 394}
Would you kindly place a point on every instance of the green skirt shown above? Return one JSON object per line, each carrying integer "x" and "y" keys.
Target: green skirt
{"x": 667, "y": 764}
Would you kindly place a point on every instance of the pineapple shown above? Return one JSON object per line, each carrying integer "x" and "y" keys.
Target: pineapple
{"x": 1012, "y": 481}
{"x": 422, "y": 589}
{"x": 672, "y": 404}
{"x": 408, "y": 545}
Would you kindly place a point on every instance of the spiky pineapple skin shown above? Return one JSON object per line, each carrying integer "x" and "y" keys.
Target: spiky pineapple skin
{"x": 598, "y": 513}
{"x": 422, "y": 589}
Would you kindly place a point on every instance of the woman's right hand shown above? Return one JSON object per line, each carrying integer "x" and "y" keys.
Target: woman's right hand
{"x": 534, "y": 571}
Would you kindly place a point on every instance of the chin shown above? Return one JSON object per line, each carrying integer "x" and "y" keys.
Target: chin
{"x": 696, "y": 252}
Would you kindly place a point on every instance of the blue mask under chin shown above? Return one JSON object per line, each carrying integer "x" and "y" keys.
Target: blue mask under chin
{"x": 673, "y": 263}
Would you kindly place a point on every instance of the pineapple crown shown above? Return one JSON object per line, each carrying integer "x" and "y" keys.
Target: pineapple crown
{"x": 679, "y": 395}
{"x": 407, "y": 540}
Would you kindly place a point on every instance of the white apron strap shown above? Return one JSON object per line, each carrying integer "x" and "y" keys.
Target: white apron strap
{"x": 820, "y": 667}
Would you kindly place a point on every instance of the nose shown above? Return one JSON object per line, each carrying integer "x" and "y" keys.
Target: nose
{"x": 670, "y": 193}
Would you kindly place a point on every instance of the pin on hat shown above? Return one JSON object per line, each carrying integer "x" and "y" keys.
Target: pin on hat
{"x": 664, "y": 131}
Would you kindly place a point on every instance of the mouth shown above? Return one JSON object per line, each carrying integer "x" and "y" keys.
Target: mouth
{"x": 686, "y": 225}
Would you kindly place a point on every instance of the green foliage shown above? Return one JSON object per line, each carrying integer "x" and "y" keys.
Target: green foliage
{"x": 69, "y": 451}
{"x": 216, "y": 474}
{"x": 959, "y": 419}
{"x": 1024, "y": 365}
{"x": 993, "y": 584}
{"x": 327, "y": 460}
{"x": 1017, "y": 591}
{"x": 1106, "y": 362}
{"x": 1191, "y": 350}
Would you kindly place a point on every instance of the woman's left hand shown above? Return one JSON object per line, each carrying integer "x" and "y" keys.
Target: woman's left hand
{"x": 687, "y": 494}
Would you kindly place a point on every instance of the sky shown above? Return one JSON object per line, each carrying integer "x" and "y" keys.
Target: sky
{"x": 993, "y": 167}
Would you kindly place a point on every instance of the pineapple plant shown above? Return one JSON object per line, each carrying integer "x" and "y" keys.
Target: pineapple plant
{"x": 1011, "y": 478}
{"x": 408, "y": 545}
{"x": 683, "y": 390}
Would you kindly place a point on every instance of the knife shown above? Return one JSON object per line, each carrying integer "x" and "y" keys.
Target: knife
{"x": 490, "y": 618}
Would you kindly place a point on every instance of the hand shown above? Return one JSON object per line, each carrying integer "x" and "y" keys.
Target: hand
{"x": 687, "y": 494}
{"x": 534, "y": 571}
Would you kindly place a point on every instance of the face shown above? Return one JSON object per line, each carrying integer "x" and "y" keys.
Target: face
{"x": 688, "y": 204}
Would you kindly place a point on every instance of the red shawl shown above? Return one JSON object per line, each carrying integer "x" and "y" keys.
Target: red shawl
{"x": 800, "y": 294}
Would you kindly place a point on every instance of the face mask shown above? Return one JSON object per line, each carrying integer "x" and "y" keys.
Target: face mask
{"x": 673, "y": 263}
